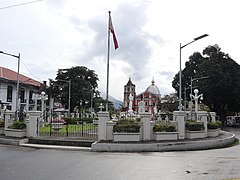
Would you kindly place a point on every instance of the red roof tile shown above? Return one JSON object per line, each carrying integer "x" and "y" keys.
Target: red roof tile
{"x": 12, "y": 75}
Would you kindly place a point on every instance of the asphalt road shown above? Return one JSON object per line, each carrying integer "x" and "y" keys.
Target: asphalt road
{"x": 37, "y": 164}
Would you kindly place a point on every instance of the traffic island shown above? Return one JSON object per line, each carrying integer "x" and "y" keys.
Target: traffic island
{"x": 225, "y": 139}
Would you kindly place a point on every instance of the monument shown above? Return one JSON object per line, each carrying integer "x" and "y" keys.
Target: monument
{"x": 130, "y": 110}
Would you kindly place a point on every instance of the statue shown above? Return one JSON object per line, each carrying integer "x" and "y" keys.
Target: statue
{"x": 130, "y": 103}
{"x": 155, "y": 109}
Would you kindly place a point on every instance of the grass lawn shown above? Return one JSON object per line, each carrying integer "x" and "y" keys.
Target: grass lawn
{"x": 71, "y": 128}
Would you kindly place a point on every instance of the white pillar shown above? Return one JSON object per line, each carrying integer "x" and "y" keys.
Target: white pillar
{"x": 179, "y": 116}
{"x": 102, "y": 125}
{"x": 2, "y": 113}
{"x": 51, "y": 101}
{"x": 32, "y": 123}
{"x": 110, "y": 130}
{"x": 145, "y": 118}
{"x": 213, "y": 116}
{"x": 150, "y": 103}
{"x": 9, "y": 117}
{"x": 202, "y": 117}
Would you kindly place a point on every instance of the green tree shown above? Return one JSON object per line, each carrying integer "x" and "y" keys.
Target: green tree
{"x": 100, "y": 100}
{"x": 169, "y": 102}
{"x": 83, "y": 86}
{"x": 221, "y": 90}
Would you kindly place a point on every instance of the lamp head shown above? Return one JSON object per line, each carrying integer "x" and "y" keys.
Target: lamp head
{"x": 196, "y": 91}
{"x": 200, "y": 37}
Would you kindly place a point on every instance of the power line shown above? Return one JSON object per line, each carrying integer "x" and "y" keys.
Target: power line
{"x": 30, "y": 71}
{"x": 15, "y": 5}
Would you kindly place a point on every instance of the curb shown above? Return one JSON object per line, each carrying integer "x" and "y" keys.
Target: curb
{"x": 57, "y": 147}
{"x": 186, "y": 145}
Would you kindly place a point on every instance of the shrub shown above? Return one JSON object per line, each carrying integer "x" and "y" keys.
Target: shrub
{"x": 164, "y": 127}
{"x": 87, "y": 120}
{"x": 126, "y": 121}
{"x": 127, "y": 125}
{"x": 214, "y": 125}
{"x": 1, "y": 123}
{"x": 129, "y": 128}
{"x": 71, "y": 120}
{"x": 78, "y": 120}
{"x": 194, "y": 126}
{"x": 17, "y": 125}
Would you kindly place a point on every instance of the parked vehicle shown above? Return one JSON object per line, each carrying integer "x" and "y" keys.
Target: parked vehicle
{"x": 233, "y": 120}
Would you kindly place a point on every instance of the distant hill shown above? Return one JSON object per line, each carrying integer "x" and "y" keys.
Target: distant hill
{"x": 117, "y": 103}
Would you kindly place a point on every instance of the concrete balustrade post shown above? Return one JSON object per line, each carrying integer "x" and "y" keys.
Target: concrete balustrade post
{"x": 110, "y": 125}
{"x": 213, "y": 116}
{"x": 103, "y": 117}
{"x": 32, "y": 123}
{"x": 179, "y": 117}
{"x": 145, "y": 119}
{"x": 202, "y": 117}
{"x": 9, "y": 118}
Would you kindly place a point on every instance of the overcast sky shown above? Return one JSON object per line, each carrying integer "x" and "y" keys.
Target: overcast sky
{"x": 54, "y": 34}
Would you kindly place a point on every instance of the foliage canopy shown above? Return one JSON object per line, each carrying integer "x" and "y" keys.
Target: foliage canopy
{"x": 222, "y": 87}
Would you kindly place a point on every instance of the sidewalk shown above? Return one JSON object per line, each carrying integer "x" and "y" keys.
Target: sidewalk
{"x": 48, "y": 143}
{"x": 12, "y": 140}
{"x": 76, "y": 144}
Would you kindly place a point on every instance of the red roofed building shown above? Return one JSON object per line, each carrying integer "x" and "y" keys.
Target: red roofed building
{"x": 151, "y": 98}
{"x": 8, "y": 88}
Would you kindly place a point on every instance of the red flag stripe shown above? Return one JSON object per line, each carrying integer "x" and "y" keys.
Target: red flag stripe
{"x": 113, "y": 33}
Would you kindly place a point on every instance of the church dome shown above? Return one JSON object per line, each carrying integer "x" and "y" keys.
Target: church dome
{"x": 153, "y": 89}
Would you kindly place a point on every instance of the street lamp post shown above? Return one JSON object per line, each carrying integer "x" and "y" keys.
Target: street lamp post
{"x": 91, "y": 98}
{"x": 180, "y": 72}
{"x": 196, "y": 97}
{"x": 81, "y": 114}
{"x": 17, "y": 90}
{"x": 43, "y": 98}
{"x": 69, "y": 93}
{"x": 193, "y": 79}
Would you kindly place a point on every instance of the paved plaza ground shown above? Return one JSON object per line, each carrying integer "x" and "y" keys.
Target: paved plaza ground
{"x": 36, "y": 164}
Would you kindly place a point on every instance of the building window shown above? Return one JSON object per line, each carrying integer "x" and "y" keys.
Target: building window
{"x": 9, "y": 93}
{"x": 9, "y": 108}
{"x": 30, "y": 97}
{"x": 22, "y": 95}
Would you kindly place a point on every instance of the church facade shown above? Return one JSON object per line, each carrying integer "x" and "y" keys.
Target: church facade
{"x": 151, "y": 98}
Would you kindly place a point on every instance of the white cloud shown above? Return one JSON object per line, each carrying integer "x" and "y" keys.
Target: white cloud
{"x": 65, "y": 33}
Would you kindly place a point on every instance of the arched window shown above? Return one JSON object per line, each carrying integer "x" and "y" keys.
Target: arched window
{"x": 9, "y": 93}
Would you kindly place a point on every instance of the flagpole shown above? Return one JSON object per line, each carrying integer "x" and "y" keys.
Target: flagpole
{"x": 108, "y": 54}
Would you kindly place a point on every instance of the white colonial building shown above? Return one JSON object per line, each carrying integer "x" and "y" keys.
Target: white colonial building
{"x": 8, "y": 90}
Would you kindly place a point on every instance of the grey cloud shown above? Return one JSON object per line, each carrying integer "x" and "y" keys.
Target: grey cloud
{"x": 128, "y": 21}
{"x": 168, "y": 74}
